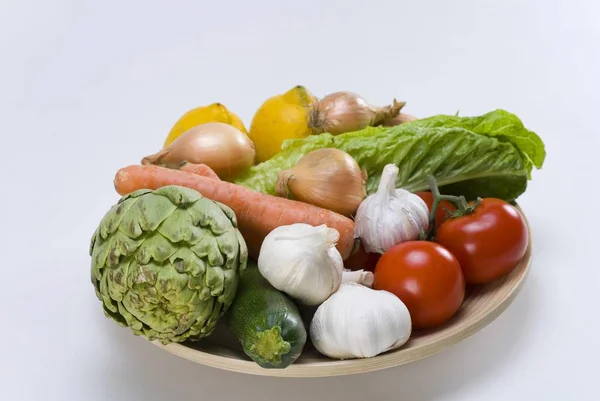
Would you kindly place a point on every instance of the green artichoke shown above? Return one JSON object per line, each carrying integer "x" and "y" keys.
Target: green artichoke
{"x": 166, "y": 263}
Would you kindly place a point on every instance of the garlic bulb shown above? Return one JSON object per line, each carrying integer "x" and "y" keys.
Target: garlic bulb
{"x": 358, "y": 322}
{"x": 390, "y": 216}
{"x": 302, "y": 261}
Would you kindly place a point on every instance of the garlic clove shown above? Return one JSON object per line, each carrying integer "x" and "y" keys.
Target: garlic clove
{"x": 363, "y": 277}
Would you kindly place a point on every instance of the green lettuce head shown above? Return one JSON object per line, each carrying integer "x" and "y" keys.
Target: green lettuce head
{"x": 166, "y": 263}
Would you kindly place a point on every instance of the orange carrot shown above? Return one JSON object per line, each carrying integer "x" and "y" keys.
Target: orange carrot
{"x": 199, "y": 169}
{"x": 257, "y": 213}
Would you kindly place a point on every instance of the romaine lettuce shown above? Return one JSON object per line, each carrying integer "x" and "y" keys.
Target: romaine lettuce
{"x": 490, "y": 156}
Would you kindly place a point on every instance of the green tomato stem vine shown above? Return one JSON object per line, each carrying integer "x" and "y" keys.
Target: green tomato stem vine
{"x": 462, "y": 206}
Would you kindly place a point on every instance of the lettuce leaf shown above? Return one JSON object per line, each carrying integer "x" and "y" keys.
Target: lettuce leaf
{"x": 504, "y": 126}
{"x": 489, "y": 156}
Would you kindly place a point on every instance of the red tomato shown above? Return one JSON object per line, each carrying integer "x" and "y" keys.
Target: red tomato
{"x": 426, "y": 277}
{"x": 441, "y": 214}
{"x": 362, "y": 260}
{"x": 488, "y": 243}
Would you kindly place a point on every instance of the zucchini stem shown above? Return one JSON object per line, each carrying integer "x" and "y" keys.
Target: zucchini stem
{"x": 270, "y": 346}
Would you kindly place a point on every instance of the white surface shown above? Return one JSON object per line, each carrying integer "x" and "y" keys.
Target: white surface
{"x": 89, "y": 86}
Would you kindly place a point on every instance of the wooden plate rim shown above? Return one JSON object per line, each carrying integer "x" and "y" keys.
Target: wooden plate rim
{"x": 355, "y": 366}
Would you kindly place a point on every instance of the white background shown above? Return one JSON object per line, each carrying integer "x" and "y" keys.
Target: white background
{"x": 89, "y": 86}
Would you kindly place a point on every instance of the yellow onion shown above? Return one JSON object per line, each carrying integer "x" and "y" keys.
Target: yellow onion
{"x": 215, "y": 112}
{"x": 399, "y": 119}
{"x": 329, "y": 178}
{"x": 222, "y": 147}
{"x": 342, "y": 112}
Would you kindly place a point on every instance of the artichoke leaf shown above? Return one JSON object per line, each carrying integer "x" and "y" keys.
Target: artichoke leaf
{"x": 210, "y": 216}
{"x": 116, "y": 281}
{"x": 208, "y": 248}
{"x": 180, "y": 196}
{"x": 215, "y": 280}
{"x": 228, "y": 212}
{"x": 187, "y": 261}
{"x": 146, "y": 215}
{"x": 108, "y": 302}
{"x": 112, "y": 220}
{"x": 230, "y": 284}
{"x": 217, "y": 312}
{"x": 229, "y": 247}
{"x": 157, "y": 248}
{"x": 181, "y": 227}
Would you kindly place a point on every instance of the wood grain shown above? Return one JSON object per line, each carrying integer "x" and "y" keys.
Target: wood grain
{"x": 481, "y": 306}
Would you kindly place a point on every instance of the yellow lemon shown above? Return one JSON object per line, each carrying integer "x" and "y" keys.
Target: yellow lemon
{"x": 281, "y": 117}
{"x": 215, "y": 112}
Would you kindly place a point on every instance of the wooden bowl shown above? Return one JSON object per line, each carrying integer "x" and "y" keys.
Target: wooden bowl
{"x": 481, "y": 306}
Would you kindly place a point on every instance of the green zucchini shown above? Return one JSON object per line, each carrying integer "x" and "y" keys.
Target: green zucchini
{"x": 266, "y": 322}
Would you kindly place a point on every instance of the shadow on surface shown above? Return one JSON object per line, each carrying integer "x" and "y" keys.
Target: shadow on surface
{"x": 138, "y": 367}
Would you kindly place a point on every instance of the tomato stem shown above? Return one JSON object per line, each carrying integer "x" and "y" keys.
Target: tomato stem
{"x": 465, "y": 208}
{"x": 462, "y": 206}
